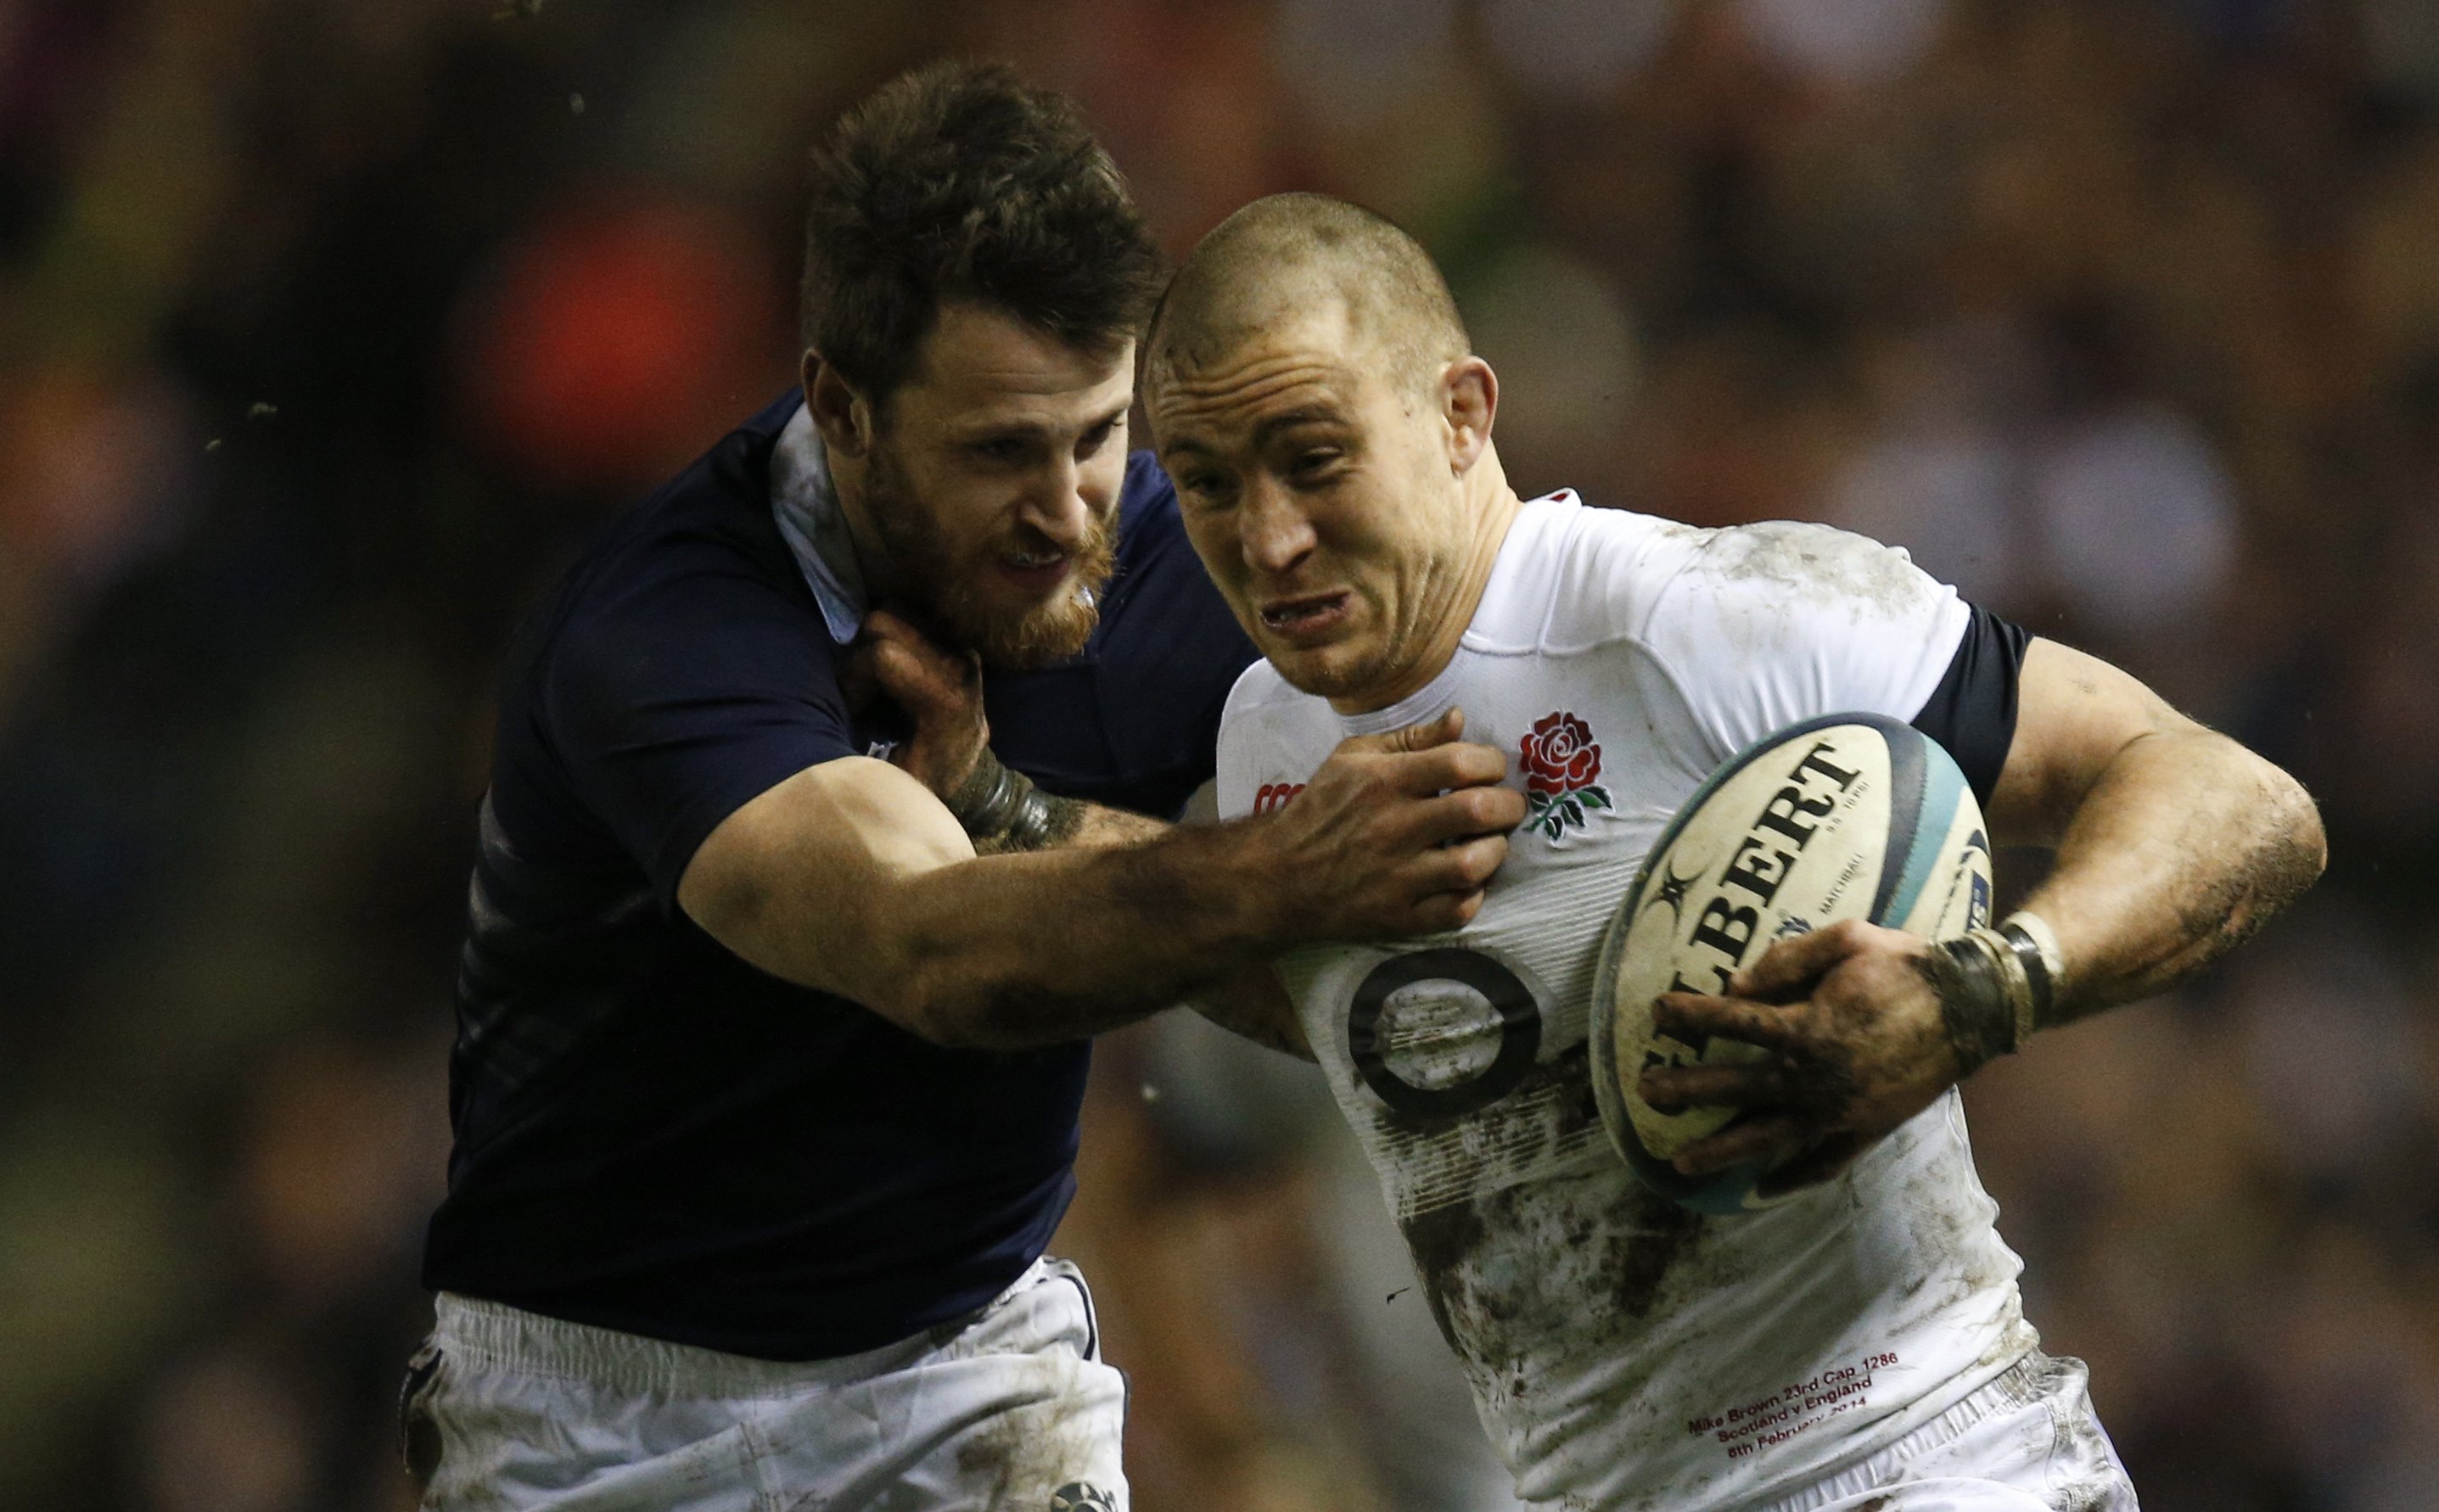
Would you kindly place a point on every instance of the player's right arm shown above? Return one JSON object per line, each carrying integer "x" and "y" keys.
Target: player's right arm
{"x": 852, "y": 878}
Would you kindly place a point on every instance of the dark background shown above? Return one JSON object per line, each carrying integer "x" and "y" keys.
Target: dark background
{"x": 330, "y": 328}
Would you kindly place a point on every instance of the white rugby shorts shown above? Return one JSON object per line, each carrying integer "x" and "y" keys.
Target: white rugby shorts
{"x": 2027, "y": 1442}
{"x": 1009, "y": 1410}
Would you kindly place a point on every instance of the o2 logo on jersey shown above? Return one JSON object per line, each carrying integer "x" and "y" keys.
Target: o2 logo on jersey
{"x": 1442, "y": 1032}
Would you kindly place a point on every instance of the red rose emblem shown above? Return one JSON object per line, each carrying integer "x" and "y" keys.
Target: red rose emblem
{"x": 1559, "y": 756}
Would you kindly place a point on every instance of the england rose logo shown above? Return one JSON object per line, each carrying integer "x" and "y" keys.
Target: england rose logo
{"x": 1562, "y": 765}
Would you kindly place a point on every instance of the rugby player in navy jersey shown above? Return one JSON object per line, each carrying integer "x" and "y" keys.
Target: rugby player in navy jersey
{"x": 769, "y": 1057}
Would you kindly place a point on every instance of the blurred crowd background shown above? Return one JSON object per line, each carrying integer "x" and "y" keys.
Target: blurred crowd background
{"x": 330, "y": 329}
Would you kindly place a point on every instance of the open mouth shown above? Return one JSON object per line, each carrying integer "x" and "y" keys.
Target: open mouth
{"x": 1301, "y": 618}
{"x": 1036, "y": 571}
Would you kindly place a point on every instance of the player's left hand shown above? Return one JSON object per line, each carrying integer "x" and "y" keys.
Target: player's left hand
{"x": 1857, "y": 1046}
{"x": 941, "y": 692}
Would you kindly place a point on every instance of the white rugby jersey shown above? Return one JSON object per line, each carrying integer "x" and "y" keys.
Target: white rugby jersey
{"x": 1625, "y": 1353}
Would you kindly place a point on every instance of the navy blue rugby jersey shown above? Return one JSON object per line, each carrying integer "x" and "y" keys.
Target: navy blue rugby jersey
{"x": 655, "y": 1137}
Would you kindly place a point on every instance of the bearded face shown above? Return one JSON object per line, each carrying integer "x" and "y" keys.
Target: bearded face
{"x": 989, "y": 480}
{"x": 973, "y": 585}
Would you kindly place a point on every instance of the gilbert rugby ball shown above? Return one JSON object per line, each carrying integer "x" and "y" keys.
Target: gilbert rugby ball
{"x": 1848, "y": 817}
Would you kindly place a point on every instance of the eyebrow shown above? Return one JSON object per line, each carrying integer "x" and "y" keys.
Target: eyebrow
{"x": 1268, "y": 430}
{"x": 1303, "y": 415}
{"x": 1031, "y": 429}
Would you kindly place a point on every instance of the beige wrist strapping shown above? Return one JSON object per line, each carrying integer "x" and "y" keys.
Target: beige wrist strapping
{"x": 2022, "y": 956}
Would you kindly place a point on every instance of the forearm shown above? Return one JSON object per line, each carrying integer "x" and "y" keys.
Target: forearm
{"x": 1019, "y": 949}
{"x": 1246, "y": 1001}
{"x": 1072, "y": 822}
{"x": 851, "y": 878}
{"x": 2184, "y": 845}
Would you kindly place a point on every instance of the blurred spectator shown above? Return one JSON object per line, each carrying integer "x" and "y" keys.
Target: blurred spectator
{"x": 1585, "y": 47}
{"x": 227, "y": 1432}
{"x": 1568, "y": 359}
{"x": 1940, "y": 469}
{"x": 612, "y": 342}
{"x": 1843, "y": 42}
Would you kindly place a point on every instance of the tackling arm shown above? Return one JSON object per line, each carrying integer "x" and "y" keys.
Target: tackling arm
{"x": 852, "y": 878}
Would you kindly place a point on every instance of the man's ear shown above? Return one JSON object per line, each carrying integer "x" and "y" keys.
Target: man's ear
{"x": 1469, "y": 398}
{"x": 840, "y": 414}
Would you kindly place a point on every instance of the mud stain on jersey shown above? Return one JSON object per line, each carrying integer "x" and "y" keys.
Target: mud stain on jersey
{"x": 1928, "y": 1230}
{"x": 1642, "y": 1261}
{"x": 1553, "y": 1105}
{"x": 1019, "y": 1457}
{"x": 1627, "y": 1247}
{"x": 1823, "y": 563}
{"x": 1441, "y": 1241}
{"x": 1617, "y": 1239}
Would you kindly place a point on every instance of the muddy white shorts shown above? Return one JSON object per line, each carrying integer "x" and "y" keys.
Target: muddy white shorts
{"x": 2027, "y": 1442}
{"x": 1009, "y": 1410}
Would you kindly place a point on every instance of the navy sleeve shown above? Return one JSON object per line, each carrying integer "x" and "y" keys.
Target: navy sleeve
{"x": 672, "y": 707}
{"x": 1972, "y": 711}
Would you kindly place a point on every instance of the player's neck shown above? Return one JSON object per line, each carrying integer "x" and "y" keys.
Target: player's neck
{"x": 884, "y": 582}
{"x": 1490, "y": 509}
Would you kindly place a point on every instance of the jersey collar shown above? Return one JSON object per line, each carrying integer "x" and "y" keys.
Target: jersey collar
{"x": 1424, "y": 702}
{"x": 809, "y": 519}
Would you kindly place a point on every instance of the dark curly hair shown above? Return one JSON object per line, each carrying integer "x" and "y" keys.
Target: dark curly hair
{"x": 958, "y": 181}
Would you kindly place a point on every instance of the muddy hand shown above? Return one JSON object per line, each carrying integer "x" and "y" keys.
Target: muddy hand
{"x": 1857, "y": 1046}
{"x": 941, "y": 693}
{"x": 1396, "y": 835}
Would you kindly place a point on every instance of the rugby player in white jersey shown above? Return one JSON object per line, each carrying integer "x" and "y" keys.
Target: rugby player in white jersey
{"x": 1860, "y": 1344}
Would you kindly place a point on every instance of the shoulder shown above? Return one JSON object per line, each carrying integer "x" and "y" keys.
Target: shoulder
{"x": 1258, "y": 687}
{"x": 1612, "y": 574}
{"x": 1571, "y": 577}
{"x": 1820, "y": 562}
{"x": 1156, "y": 560}
{"x": 711, "y": 523}
{"x": 693, "y": 584}
{"x": 1147, "y": 498}
{"x": 1763, "y": 624}
{"x": 1757, "y": 589}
